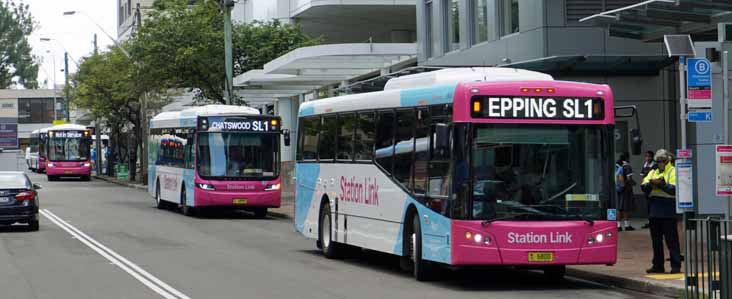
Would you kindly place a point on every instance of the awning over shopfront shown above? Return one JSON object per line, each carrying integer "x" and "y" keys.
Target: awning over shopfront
{"x": 651, "y": 20}
{"x": 310, "y": 68}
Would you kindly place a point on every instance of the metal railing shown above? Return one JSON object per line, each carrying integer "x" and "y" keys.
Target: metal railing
{"x": 708, "y": 258}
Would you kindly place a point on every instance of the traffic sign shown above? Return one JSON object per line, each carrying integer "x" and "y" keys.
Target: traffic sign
{"x": 700, "y": 116}
{"x": 699, "y": 83}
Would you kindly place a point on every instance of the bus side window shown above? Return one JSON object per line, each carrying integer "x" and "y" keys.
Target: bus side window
{"x": 364, "y": 139}
{"x": 384, "y": 151}
{"x": 346, "y": 125}
{"x": 327, "y": 138}
{"x": 308, "y": 140}
{"x": 422, "y": 151}
{"x": 404, "y": 149}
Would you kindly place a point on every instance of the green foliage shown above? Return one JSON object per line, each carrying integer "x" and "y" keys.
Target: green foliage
{"x": 260, "y": 42}
{"x": 182, "y": 46}
{"x": 16, "y": 62}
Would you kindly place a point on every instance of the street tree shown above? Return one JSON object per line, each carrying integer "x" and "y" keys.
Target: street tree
{"x": 17, "y": 65}
{"x": 181, "y": 45}
{"x": 110, "y": 86}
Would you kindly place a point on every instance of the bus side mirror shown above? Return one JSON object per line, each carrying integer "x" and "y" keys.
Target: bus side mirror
{"x": 442, "y": 136}
{"x": 636, "y": 141}
{"x": 287, "y": 137}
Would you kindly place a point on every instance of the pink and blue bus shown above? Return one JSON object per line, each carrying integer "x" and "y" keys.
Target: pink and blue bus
{"x": 215, "y": 156}
{"x": 462, "y": 167}
{"x": 68, "y": 152}
{"x": 37, "y": 150}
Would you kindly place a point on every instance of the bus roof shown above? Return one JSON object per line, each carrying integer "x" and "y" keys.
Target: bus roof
{"x": 64, "y": 127}
{"x": 437, "y": 87}
{"x": 187, "y": 117}
{"x": 463, "y": 75}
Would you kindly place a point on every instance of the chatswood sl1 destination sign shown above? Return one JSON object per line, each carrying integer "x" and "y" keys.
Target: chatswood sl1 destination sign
{"x": 537, "y": 108}
{"x": 240, "y": 124}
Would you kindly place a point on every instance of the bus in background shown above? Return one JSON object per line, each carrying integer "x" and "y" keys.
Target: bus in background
{"x": 68, "y": 153}
{"x": 462, "y": 167}
{"x": 37, "y": 150}
{"x": 215, "y": 156}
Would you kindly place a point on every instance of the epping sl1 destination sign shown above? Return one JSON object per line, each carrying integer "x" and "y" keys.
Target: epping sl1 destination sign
{"x": 512, "y": 107}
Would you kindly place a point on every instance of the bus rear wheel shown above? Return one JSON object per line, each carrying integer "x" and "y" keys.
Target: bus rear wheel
{"x": 423, "y": 270}
{"x": 329, "y": 248}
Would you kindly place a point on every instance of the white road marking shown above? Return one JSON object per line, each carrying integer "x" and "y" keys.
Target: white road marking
{"x": 135, "y": 271}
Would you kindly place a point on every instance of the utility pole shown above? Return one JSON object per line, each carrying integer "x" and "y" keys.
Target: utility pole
{"x": 228, "y": 44}
{"x": 66, "y": 86}
{"x": 98, "y": 127}
{"x": 143, "y": 114}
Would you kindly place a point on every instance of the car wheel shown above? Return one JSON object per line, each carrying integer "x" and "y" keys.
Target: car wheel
{"x": 33, "y": 225}
{"x": 260, "y": 212}
{"x": 184, "y": 208}
{"x": 423, "y": 270}
{"x": 329, "y": 248}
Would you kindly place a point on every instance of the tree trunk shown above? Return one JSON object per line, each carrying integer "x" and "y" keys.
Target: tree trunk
{"x": 112, "y": 150}
{"x": 132, "y": 152}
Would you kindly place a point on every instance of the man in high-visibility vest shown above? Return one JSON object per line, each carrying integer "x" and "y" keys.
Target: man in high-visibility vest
{"x": 660, "y": 187}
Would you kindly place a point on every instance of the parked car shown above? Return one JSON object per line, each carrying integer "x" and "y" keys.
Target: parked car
{"x": 18, "y": 199}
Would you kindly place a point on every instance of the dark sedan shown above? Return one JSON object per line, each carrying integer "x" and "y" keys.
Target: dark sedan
{"x": 18, "y": 199}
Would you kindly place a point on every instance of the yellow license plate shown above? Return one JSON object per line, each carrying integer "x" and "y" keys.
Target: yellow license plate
{"x": 240, "y": 201}
{"x": 542, "y": 257}
{"x": 67, "y": 171}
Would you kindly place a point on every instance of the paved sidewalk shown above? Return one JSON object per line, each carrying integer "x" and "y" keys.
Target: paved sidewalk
{"x": 634, "y": 256}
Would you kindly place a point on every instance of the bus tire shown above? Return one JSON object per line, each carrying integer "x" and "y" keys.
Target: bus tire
{"x": 260, "y": 212}
{"x": 329, "y": 248}
{"x": 423, "y": 270}
{"x": 158, "y": 200}
{"x": 184, "y": 208}
{"x": 555, "y": 273}
{"x": 86, "y": 178}
{"x": 51, "y": 178}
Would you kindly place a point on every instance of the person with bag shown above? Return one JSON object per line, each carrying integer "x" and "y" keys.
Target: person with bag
{"x": 624, "y": 183}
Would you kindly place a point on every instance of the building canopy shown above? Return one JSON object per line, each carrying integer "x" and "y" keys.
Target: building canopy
{"x": 306, "y": 69}
{"x": 652, "y": 19}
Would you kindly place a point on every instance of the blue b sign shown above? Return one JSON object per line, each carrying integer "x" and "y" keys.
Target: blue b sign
{"x": 699, "y": 83}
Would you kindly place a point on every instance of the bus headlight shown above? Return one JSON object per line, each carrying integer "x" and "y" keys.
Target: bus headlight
{"x": 206, "y": 187}
{"x": 87, "y": 164}
{"x": 272, "y": 187}
{"x": 599, "y": 238}
{"x": 50, "y": 165}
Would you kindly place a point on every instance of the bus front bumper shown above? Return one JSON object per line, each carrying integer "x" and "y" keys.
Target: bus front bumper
{"x": 259, "y": 199}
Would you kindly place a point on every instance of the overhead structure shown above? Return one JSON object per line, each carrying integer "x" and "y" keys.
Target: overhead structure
{"x": 308, "y": 69}
{"x": 652, "y": 19}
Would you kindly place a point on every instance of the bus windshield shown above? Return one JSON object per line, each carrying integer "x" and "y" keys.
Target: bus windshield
{"x": 546, "y": 172}
{"x": 234, "y": 155}
{"x": 68, "y": 148}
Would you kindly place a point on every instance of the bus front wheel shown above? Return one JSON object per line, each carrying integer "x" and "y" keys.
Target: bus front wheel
{"x": 184, "y": 208}
{"x": 329, "y": 248}
{"x": 555, "y": 273}
{"x": 423, "y": 270}
{"x": 260, "y": 212}
{"x": 158, "y": 200}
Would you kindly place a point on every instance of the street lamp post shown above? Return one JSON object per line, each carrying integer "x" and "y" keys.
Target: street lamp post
{"x": 143, "y": 106}
{"x": 66, "y": 79}
{"x": 228, "y": 44}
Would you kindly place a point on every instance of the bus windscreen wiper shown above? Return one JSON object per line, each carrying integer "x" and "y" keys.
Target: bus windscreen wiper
{"x": 489, "y": 221}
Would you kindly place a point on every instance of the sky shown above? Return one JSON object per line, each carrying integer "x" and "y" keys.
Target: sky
{"x": 75, "y": 33}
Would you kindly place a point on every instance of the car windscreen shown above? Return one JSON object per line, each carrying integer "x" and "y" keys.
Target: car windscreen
{"x": 14, "y": 181}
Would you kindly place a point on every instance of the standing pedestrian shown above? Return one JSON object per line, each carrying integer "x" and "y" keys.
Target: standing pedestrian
{"x": 625, "y": 191}
{"x": 660, "y": 186}
{"x": 648, "y": 165}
